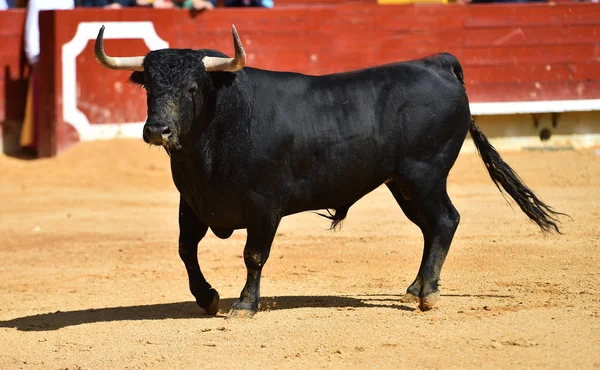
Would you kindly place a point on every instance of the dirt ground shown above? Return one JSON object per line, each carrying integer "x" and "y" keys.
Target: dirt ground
{"x": 90, "y": 276}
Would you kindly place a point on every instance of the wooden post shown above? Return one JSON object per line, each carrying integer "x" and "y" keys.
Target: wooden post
{"x": 48, "y": 89}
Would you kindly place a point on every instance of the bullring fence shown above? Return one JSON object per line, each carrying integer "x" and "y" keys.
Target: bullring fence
{"x": 532, "y": 71}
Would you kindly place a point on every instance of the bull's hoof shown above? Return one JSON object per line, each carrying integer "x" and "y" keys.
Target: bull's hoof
{"x": 212, "y": 307}
{"x": 242, "y": 310}
{"x": 425, "y": 295}
{"x": 240, "y": 314}
{"x": 426, "y": 303}
{"x": 409, "y": 298}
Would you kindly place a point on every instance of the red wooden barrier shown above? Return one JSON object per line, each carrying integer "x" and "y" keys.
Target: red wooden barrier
{"x": 509, "y": 53}
{"x": 15, "y": 72}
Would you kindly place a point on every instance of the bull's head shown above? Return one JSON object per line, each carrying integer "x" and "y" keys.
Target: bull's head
{"x": 175, "y": 82}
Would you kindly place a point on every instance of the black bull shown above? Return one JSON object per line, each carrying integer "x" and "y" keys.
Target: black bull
{"x": 249, "y": 146}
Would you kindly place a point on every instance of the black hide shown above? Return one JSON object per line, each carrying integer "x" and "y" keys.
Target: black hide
{"x": 251, "y": 147}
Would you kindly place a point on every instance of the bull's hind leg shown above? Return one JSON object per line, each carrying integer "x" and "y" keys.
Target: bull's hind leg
{"x": 437, "y": 218}
{"x": 191, "y": 231}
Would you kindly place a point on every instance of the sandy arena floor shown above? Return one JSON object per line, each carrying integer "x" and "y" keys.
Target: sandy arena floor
{"x": 90, "y": 276}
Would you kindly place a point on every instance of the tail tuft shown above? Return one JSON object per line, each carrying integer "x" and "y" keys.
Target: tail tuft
{"x": 506, "y": 178}
{"x": 337, "y": 218}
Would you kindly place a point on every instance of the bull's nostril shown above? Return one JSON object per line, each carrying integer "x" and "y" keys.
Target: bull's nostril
{"x": 165, "y": 131}
{"x": 156, "y": 134}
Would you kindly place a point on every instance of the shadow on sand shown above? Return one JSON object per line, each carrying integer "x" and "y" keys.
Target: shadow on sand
{"x": 186, "y": 310}
{"x": 189, "y": 310}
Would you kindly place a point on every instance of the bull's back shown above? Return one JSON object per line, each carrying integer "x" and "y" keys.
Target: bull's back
{"x": 337, "y": 137}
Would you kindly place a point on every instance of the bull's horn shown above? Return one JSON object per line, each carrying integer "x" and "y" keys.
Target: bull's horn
{"x": 128, "y": 63}
{"x": 217, "y": 64}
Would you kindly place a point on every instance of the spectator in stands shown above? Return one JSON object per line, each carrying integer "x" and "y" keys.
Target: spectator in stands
{"x": 185, "y": 4}
{"x": 108, "y": 4}
{"x": 259, "y": 3}
{"x": 207, "y": 4}
{"x": 498, "y": 1}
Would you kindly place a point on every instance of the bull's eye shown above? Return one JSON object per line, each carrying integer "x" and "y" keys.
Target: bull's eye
{"x": 192, "y": 90}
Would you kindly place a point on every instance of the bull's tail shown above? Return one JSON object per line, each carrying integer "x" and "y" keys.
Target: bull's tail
{"x": 337, "y": 217}
{"x": 502, "y": 175}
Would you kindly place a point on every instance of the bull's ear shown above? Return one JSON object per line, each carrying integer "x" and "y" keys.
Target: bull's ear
{"x": 137, "y": 78}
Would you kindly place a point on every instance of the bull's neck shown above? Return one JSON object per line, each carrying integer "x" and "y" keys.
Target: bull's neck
{"x": 221, "y": 132}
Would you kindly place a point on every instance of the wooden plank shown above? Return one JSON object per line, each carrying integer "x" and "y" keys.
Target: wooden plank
{"x": 499, "y": 56}
{"x": 488, "y": 16}
{"x": 511, "y": 91}
{"x": 12, "y": 22}
{"x": 14, "y": 74}
{"x": 518, "y": 36}
{"x": 334, "y": 20}
{"x": 101, "y": 100}
{"x": 50, "y": 92}
{"x": 444, "y": 39}
{"x": 8, "y": 44}
{"x": 532, "y": 73}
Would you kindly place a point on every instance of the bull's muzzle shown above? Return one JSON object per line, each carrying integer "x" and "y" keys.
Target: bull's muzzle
{"x": 156, "y": 134}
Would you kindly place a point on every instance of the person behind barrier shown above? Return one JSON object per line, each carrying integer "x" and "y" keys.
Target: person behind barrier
{"x": 32, "y": 30}
{"x": 499, "y": 1}
{"x": 32, "y": 52}
{"x": 207, "y": 4}
{"x": 107, "y": 4}
{"x": 185, "y": 4}
{"x": 240, "y": 3}
{"x": 9, "y": 4}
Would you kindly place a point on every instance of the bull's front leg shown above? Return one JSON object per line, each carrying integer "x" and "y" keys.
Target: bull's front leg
{"x": 256, "y": 252}
{"x": 191, "y": 231}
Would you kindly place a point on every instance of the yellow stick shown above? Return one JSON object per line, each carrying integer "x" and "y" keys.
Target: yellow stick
{"x": 27, "y": 130}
